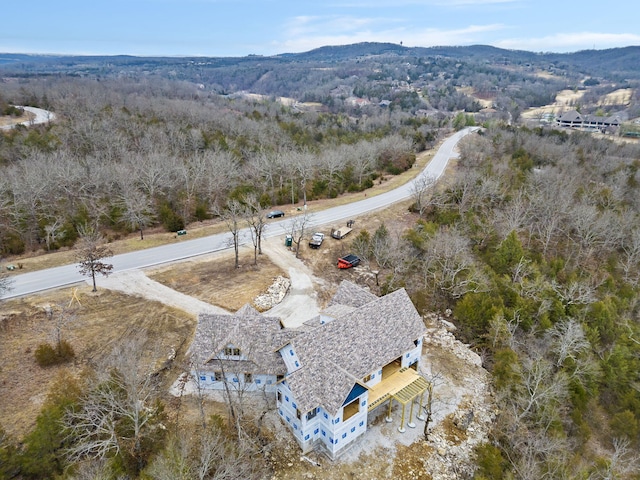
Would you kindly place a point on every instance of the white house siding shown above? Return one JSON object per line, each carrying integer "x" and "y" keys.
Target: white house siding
{"x": 290, "y": 358}
{"x": 345, "y": 432}
{"x": 376, "y": 377}
{"x": 288, "y": 411}
{"x": 260, "y": 382}
{"x": 412, "y": 356}
{"x": 332, "y": 433}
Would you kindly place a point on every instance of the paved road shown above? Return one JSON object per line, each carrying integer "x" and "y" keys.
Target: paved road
{"x": 40, "y": 116}
{"x": 27, "y": 283}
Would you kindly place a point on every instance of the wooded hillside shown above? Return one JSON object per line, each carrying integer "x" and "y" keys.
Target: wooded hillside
{"x": 532, "y": 242}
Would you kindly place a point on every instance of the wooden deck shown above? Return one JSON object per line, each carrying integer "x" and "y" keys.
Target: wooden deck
{"x": 403, "y": 385}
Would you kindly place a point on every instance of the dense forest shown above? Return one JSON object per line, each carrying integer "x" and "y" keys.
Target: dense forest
{"x": 535, "y": 248}
{"x": 533, "y": 243}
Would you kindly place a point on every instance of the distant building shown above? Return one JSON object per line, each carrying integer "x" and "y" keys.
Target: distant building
{"x": 573, "y": 119}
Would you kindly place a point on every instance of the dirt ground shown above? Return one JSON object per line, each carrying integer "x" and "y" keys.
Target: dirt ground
{"x": 102, "y": 320}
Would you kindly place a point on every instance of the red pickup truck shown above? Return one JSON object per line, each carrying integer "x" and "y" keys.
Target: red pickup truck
{"x": 348, "y": 261}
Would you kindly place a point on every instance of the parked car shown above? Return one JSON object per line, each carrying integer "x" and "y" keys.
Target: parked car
{"x": 316, "y": 240}
{"x": 275, "y": 214}
{"x": 348, "y": 261}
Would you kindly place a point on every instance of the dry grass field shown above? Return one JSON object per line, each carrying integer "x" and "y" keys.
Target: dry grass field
{"x": 564, "y": 101}
{"x": 622, "y": 96}
{"x": 103, "y": 320}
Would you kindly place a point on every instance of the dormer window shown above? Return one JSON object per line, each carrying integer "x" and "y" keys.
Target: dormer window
{"x": 366, "y": 379}
{"x": 232, "y": 352}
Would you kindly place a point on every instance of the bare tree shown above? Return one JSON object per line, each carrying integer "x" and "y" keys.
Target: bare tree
{"x": 137, "y": 209}
{"x": 119, "y": 415}
{"x": 568, "y": 341}
{"x": 232, "y": 216}
{"x": 296, "y": 227}
{"x": 420, "y": 191}
{"x": 62, "y": 316}
{"x": 206, "y": 454}
{"x": 254, "y": 215}
{"x": 91, "y": 253}
{"x": 53, "y": 231}
{"x": 631, "y": 256}
{"x": 448, "y": 265}
{"x": 623, "y": 463}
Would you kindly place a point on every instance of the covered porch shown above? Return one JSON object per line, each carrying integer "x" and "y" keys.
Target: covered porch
{"x": 404, "y": 386}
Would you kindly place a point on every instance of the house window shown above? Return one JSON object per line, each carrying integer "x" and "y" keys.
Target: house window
{"x": 258, "y": 381}
{"x": 291, "y": 352}
{"x": 248, "y": 378}
{"x": 219, "y": 377}
{"x": 361, "y": 423}
{"x": 306, "y": 437}
{"x": 232, "y": 352}
{"x": 366, "y": 379}
{"x": 297, "y": 364}
{"x": 344, "y": 435}
{"x": 293, "y": 404}
{"x": 203, "y": 378}
{"x": 315, "y": 432}
{"x": 279, "y": 397}
{"x": 312, "y": 413}
{"x": 353, "y": 429}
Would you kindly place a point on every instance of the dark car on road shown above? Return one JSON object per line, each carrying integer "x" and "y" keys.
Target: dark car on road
{"x": 275, "y": 214}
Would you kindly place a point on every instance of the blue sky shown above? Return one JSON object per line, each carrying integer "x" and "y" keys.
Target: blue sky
{"x": 268, "y": 27}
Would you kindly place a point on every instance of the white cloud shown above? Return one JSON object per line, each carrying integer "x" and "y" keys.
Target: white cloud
{"x": 571, "y": 42}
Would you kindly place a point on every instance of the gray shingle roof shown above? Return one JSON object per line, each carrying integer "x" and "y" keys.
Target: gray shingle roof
{"x": 367, "y": 333}
{"x": 247, "y": 309}
{"x": 337, "y": 354}
{"x": 571, "y": 116}
{"x": 257, "y": 337}
{"x": 352, "y": 295}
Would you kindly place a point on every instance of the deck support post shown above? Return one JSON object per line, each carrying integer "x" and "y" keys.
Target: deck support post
{"x": 411, "y": 424}
{"x": 389, "y": 419}
{"x": 401, "y": 428}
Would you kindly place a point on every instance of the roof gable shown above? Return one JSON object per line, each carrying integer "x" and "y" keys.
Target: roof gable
{"x": 255, "y": 335}
{"x": 338, "y": 353}
{"x": 351, "y": 295}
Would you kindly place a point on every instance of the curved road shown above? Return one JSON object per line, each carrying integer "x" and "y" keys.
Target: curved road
{"x": 40, "y": 116}
{"x": 27, "y": 283}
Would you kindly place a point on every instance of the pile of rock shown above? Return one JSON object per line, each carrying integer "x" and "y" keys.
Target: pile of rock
{"x": 274, "y": 294}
